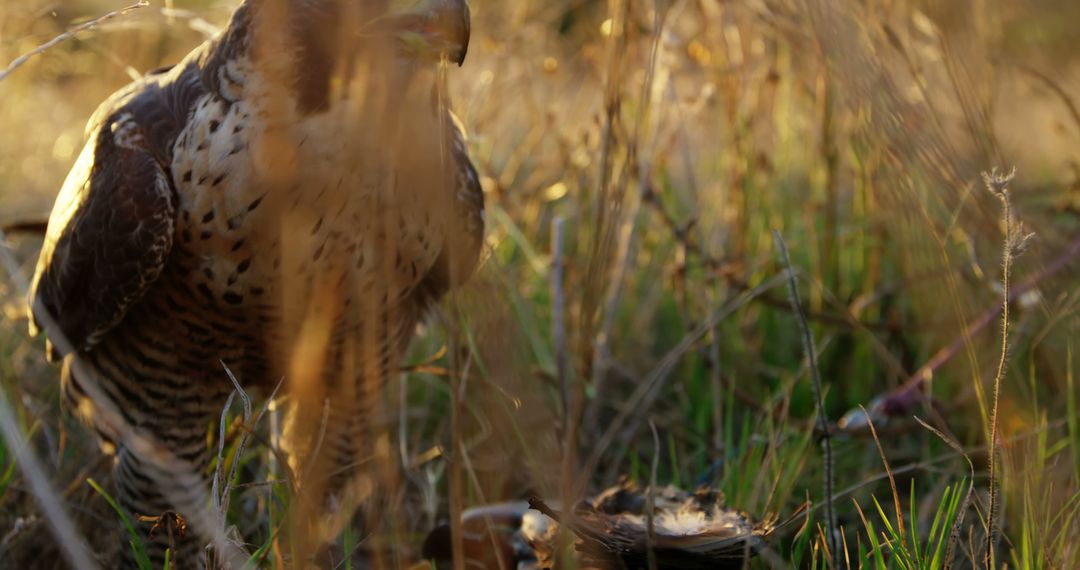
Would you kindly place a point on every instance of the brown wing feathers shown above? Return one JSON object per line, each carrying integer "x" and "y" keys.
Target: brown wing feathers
{"x": 112, "y": 246}
{"x": 111, "y": 228}
{"x": 461, "y": 254}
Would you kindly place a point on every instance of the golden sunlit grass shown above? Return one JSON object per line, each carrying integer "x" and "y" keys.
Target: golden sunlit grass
{"x": 662, "y": 142}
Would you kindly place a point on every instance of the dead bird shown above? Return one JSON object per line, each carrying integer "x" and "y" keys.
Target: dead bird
{"x": 690, "y": 530}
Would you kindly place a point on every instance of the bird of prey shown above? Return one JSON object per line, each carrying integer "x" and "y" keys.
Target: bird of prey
{"x": 288, "y": 200}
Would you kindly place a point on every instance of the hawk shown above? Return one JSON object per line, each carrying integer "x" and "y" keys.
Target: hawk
{"x": 288, "y": 200}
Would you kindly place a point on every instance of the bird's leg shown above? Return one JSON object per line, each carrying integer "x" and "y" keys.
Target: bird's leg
{"x": 339, "y": 454}
{"x": 340, "y": 463}
{"x": 142, "y": 487}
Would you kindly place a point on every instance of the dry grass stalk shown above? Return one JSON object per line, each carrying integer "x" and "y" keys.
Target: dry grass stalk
{"x": 1014, "y": 244}
{"x": 456, "y": 488}
{"x": 179, "y": 481}
{"x": 648, "y": 390}
{"x": 178, "y": 478}
{"x": 888, "y": 471}
{"x": 626, "y": 240}
{"x": 607, "y": 201}
{"x": 819, "y": 397}
{"x": 650, "y": 501}
{"x": 74, "y": 548}
{"x": 558, "y": 312}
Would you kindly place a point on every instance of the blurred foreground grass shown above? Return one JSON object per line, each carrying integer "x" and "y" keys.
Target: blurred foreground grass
{"x": 666, "y": 139}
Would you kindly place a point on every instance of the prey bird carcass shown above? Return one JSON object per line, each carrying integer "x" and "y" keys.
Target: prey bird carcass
{"x": 289, "y": 201}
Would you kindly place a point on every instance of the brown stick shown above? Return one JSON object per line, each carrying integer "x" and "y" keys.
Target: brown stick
{"x": 909, "y": 393}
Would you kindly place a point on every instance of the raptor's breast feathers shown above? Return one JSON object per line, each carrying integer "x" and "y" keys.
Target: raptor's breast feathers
{"x": 108, "y": 236}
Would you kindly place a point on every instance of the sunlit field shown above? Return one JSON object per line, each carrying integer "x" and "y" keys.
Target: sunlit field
{"x": 647, "y": 166}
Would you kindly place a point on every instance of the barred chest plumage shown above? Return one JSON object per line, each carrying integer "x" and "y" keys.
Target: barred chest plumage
{"x": 280, "y": 217}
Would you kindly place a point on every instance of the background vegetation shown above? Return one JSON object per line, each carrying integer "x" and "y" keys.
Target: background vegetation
{"x": 658, "y": 143}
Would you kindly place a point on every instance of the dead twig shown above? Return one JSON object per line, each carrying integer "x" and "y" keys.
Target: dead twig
{"x": 901, "y": 399}
{"x": 22, "y": 59}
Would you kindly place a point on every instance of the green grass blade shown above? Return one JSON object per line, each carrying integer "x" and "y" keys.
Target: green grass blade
{"x": 348, "y": 543}
{"x": 136, "y": 543}
{"x": 875, "y": 546}
{"x": 896, "y": 540}
{"x": 914, "y": 525}
{"x": 935, "y": 543}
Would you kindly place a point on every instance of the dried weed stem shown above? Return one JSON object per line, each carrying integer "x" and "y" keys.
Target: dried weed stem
{"x": 819, "y": 397}
{"x": 1015, "y": 243}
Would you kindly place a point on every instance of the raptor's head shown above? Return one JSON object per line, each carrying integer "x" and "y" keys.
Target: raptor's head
{"x": 309, "y": 42}
{"x": 427, "y": 29}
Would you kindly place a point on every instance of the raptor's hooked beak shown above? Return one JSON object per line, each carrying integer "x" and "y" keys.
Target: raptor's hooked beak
{"x": 432, "y": 29}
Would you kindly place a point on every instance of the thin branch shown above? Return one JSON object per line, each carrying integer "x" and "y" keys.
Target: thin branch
{"x": 901, "y": 399}
{"x": 19, "y": 61}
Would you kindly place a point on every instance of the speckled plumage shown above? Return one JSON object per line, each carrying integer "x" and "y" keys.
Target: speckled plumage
{"x": 224, "y": 206}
